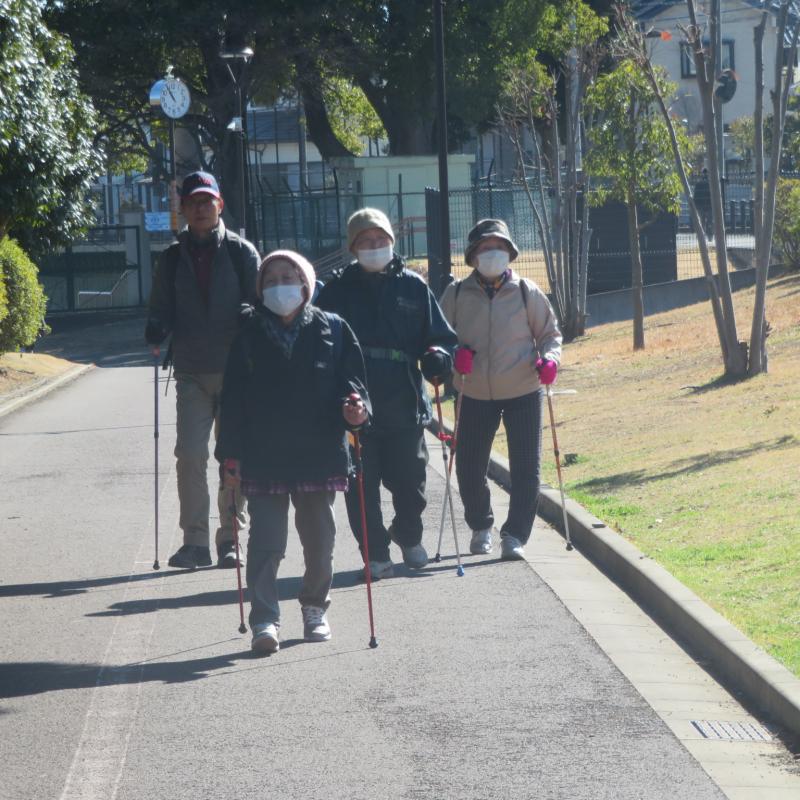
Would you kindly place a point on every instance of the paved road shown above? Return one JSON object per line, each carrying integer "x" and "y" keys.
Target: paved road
{"x": 120, "y": 682}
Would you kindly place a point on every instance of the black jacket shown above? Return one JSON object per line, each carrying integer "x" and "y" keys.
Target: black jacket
{"x": 201, "y": 335}
{"x": 282, "y": 417}
{"x": 396, "y": 319}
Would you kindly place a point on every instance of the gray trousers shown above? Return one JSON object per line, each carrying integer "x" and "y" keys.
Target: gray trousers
{"x": 198, "y": 398}
{"x": 269, "y": 532}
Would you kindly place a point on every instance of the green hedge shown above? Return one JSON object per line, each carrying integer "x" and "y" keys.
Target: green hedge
{"x": 22, "y": 299}
{"x": 787, "y": 223}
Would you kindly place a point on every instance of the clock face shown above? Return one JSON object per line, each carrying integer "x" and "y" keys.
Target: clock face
{"x": 175, "y": 99}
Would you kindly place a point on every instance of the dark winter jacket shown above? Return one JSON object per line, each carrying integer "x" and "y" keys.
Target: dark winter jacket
{"x": 201, "y": 333}
{"x": 396, "y": 319}
{"x": 280, "y": 416}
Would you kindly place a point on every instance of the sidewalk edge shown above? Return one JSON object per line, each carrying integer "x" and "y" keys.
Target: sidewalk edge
{"x": 47, "y": 386}
{"x": 744, "y": 667}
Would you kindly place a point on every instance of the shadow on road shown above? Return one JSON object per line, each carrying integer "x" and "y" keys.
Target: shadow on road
{"x": 107, "y": 339}
{"x": 24, "y": 678}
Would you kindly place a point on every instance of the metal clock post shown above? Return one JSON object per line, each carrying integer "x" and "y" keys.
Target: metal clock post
{"x": 172, "y": 96}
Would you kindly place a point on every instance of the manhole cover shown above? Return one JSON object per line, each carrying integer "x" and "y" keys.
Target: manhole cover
{"x": 733, "y": 731}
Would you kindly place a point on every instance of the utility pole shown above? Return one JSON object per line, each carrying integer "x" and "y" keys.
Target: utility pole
{"x": 441, "y": 125}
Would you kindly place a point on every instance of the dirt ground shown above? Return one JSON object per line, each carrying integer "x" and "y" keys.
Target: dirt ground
{"x": 20, "y": 372}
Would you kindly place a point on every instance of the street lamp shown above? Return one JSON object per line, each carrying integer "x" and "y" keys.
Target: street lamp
{"x": 444, "y": 275}
{"x": 243, "y": 54}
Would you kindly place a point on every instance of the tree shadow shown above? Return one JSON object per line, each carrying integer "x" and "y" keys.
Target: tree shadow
{"x": 107, "y": 339}
{"x": 684, "y": 466}
{"x": 722, "y": 382}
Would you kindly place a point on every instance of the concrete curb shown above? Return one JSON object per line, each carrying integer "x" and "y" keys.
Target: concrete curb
{"x": 42, "y": 388}
{"x": 741, "y": 665}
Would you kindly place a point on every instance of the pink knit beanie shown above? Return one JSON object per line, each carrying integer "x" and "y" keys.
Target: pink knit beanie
{"x": 304, "y": 269}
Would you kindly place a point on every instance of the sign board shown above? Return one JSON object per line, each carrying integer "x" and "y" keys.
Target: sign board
{"x": 157, "y": 221}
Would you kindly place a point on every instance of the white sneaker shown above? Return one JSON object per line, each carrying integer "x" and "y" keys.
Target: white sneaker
{"x": 511, "y": 548}
{"x": 380, "y": 569}
{"x": 265, "y": 639}
{"x": 481, "y": 542}
{"x": 415, "y": 557}
{"x": 315, "y": 624}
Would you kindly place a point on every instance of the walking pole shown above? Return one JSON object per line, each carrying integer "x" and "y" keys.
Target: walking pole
{"x": 454, "y": 443}
{"x": 156, "y": 353}
{"x": 242, "y": 626}
{"x": 448, "y": 500}
{"x": 549, "y": 391}
{"x": 373, "y": 642}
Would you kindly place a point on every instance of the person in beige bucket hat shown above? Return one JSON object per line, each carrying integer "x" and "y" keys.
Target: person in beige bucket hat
{"x": 509, "y": 347}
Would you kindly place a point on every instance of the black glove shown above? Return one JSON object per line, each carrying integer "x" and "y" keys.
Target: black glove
{"x": 245, "y": 312}
{"x": 435, "y": 364}
{"x": 155, "y": 331}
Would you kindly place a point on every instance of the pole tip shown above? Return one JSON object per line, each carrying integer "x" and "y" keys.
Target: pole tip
{"x": 569, "y": 546}
{"x": 460, "y": 571}
{"x": 437, "y": 558}
{"x": 373, "y": 642}
{"x": 243, "y": 628}
{"x": 156, "y": 565}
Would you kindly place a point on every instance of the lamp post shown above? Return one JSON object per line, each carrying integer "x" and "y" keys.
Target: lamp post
{"x": 243, "y": 54}
{"x": 441, "y": 123}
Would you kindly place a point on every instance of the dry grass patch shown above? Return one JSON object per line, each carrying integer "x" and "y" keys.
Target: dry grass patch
{"x": 702, "y": 475}
{"x": 21, "y": 371}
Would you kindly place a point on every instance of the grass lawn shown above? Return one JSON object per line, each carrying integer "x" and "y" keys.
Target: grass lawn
{"x": 702, "y": 476}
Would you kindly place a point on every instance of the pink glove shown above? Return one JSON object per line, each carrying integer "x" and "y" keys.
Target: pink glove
{"x": 463, "y": 360}
{"x": 547, "y": 370}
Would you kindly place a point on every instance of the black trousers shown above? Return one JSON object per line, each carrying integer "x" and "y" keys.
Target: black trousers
{"x": 399, "y": 461}
{"x": 480, "y": 419}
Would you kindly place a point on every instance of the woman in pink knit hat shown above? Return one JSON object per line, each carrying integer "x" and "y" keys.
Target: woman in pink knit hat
{"x": 284, "y": 414}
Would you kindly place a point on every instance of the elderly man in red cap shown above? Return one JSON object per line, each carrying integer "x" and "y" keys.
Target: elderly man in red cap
{"x": 198, "y": 290}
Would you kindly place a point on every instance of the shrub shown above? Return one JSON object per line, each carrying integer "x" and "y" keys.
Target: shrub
{"x": 787, "y": 223}
{"x": 24, "y": 297}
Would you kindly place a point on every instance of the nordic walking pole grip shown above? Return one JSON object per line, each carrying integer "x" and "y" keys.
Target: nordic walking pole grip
{"x": 353, "y": 399}
{"x": 549, "y": 392}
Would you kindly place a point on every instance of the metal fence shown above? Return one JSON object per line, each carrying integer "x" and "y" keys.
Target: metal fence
{"x": 314, "y": 223}
{"x": 101, "y": 271}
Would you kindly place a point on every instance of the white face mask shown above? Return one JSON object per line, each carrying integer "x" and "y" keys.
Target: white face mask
{"x": 375, "y": 260}
{"x": 283, "y": 299}
{"x": 492, "y": 263}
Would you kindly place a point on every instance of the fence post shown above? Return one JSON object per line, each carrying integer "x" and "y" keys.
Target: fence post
{"x": 433, "y": 235}
{"x": 70, "y": 278}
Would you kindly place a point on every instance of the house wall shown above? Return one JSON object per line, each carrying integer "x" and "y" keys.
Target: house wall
{"x": 738, "y": 21}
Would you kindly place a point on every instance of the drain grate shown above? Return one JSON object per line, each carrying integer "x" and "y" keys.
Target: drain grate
{"x": 733, "y": 731}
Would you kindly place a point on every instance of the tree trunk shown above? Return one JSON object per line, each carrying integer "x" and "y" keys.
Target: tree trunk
{"x": 319, "y": 125}
{"x": 637, "y": 281}
{"x": 735, "y": 352}
{"x": 780, "y": 99}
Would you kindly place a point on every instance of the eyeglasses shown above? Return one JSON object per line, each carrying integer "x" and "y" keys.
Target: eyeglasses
{"x": 199, "y": 199}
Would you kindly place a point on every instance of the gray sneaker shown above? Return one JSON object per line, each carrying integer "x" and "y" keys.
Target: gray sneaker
{"x": 511, "y": 548}
{"x": 315, "y": 624}
{"x": 380, "y": 569}
{"x": 415, "y": 557}
{"x": 265, "y": 639}
{"x": 481, "y": 542}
